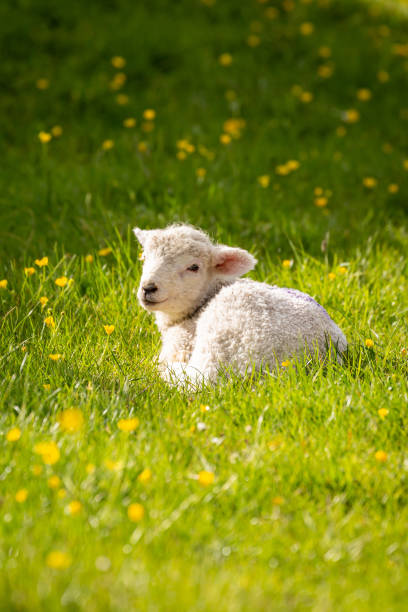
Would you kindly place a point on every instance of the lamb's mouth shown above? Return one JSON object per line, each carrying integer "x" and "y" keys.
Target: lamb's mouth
{"x": 147, "y": 302}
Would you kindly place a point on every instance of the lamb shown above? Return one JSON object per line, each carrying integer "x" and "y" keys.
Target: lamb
{"x": 211, "y": 320}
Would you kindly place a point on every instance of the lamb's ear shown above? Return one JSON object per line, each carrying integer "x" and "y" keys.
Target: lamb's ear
{"x": 140, "y": 234}
{"x": 228, "y": 261}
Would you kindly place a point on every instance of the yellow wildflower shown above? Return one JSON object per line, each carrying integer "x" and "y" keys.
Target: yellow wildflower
{"x": 234, "y": 126}
{"x": 393, "y": 188}
{"x": 405, "y": 164}
{"x": 292, "y": 164}
{"x": 370, "y": 182}
{"x": 21, "y": 496}
{"x": 113, "y": 466}
{"x": 364, "y": 94}
{"x": 44, "y": 137}
{"x": 181, "y": 155}
{"x": 49, "y": 452}
{"x": 61, "y": 281}
{"x": 122, "y": 99}
{"x": 306, "y": 97}
{"x": 90, "y": 468}
{"x": 225, "y": 59}
{"x": 56, "y": 131}
{"x": 105, "y": 251}
{"x": 118, "y": 62}
{"x": 71, "y": 420}
{"x": 62, "y": 493}
{"x": 118, "y": 81}
{"x": 74, "y": 507}
{"x": 43, "y": 300}
{"x": 149, "y": 114}
{"x": 285, "y": 364}
{"x": 41, "y": 262}
{"x": 128, "y": 424}
{"x": 282, "y": 169}
{"x": 49, "y": 321}
{"x": 55, "y": 356}
{"x": 54, "y": 482}
{"x": 271, "y": 12}
{"x": 201, "y": 172}
{"x": 109, "y": 329}
{"x": 369, "y": 343}
{"x": 381, "y": 456}
{"x": 324, "y": 52}
{"x": 230, "y": 95}
{"x": 225, "y": 139}
{"x": 89, "y": 258}
{"x": 42, "y": 83}
{"x": 351, "y": 116}
{"x": 3, "y": 283}
{"x": 57, "y": 559}
{"x": 142, "y": 147}
{"x": 130, "y": 122}
{"x": 382, "y": 413}
{"x": 264, "y": 180}
{"x": 47, "y": 386}
{"x": 135, "y": 512}
{"x": 278, "y": 500}
{"x": 29, "y": 271}
{"x": 331, "y": 276}
{"x": 306, "y": 28}
{"x": 108, "y": 144}
{"x": 37, "y": 469}
{"x": 253, "y": 40}
{"x": 321, "y": 202}
{"x": 13, "y": 434}
{"x": 383, "y": 76}
{"x": 24, "y": 348}
{"x": 287, "y": 263}
{"x": 325, "y": 71}
{"x": 205, "y": 478}
{"x": 145, "y": 476}
{"x": 342, "y": 270}
{"x": 148, "y": 126}
{"x": 341, "y": 131}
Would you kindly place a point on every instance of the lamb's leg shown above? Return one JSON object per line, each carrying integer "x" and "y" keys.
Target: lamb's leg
{"x": 192, "y": 375}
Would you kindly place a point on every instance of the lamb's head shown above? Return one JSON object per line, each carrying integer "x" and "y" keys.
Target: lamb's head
{"x": 182, "y": 266}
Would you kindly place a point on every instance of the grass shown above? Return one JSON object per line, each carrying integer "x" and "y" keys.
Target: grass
{"x": 303, "y": 512}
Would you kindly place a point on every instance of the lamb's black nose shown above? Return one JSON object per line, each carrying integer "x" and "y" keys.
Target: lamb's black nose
{"x": 148, "y": 289}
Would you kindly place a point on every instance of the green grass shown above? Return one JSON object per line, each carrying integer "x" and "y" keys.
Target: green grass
{"x": 301, "y": 514}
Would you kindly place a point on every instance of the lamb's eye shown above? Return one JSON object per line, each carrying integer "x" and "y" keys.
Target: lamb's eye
{"x": 193, "y": 268}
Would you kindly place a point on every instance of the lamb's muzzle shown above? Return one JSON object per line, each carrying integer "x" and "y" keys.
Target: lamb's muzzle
{"x": 212, "y": 320}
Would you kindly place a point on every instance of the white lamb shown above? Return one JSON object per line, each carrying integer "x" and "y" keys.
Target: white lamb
{"x": 212, "y": 321}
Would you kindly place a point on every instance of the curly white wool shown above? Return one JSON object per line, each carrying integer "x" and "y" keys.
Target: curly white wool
{"x": 211, "y": 320}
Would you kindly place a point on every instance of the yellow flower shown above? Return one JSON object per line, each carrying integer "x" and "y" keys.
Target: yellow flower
{"x": 44, "y": 137}
{"x": 128, "y": 424}
{"x": 149, "y": 114}
{"x": 42, "y": 83}
{"x": 55, "y": 356}
{"x": 3, "y": 283}
{"x": 393, "y": 188}
{"x": 331, "y": 276}
{"x": 325, "y": 71}
{"x": 282, "y": 169}
{"x": 37, "y": 469}
{"x": 285, "y": 364}
{"x": 148, "y": 126}
{"x": 109, "y": 329}
{"x": 141, "y": 256}
{"x": 54, "y": 482}
{"x": 118, "y": 81}
{"x": 271, "y": 12}
{"x": 253, "y": 40}
{"x": 405, "y": 164}
{"x": 74, "y": 507}
{"x": 387, "y": 147}
{"x": 41, "y": 262}
{"x": 225, "y": 139}
{"x": 130, "y": 122}
{"x": 342, "y": 270}
{"x": 324, "y": 52}
{"x": 225, "y": 59}
{"x": 90, "y": 468}
{"x": 13, "y": 435}
{"x": 341, "y": 131}
{"x": 108, "y": 144}
{"x": 318, "y": 191}
{"x": 47, "y": 386}
{"x": 49, "y": 452}
{"x": 62, "y": 493}
{"x": 122, "y": 99}
{"x": 105, "y": 251}
{"x": 369, "y": 343}
{"x": 321, "y": 202}
{"x": 287, "y": 263}
{"x": 201, "y": 172}
{"x": 278, "y": 500}
{"x": 113, "y": 466}
{"x": 306, "y": 97}
{"x": 56, "y": 131}
{"x": 292, "y": 164}
{"x": 264, "y": 180}
{"x": 49, "y": 321}
{"x": 383, "y": 76}
{"x": 89, "y": 258}
{"x": 71, "y": 420}
{"x": 29, "y": 271}
{"x": 21, "y": 495}
{"x": 135, "y": 512}
{"x": 61, "y": 281}
{"x": 382, "y": 413}
{"x": 181, "y": 155}
{"x": 145, "y": 476}
{"x": 234, "y": 126}
{"x": 205, "y": 478}
{"x": 43, "y": 300}
{"x": 381, "y": 456}
{"x": 57, "y": 559}
{"x": 351, "y": 116}
{"x": 306, "y": 28}
{"x": 118, "y": 62}
{"x": 24, "y": 348}
{"x": 364, "y": 94}
{"x": 370, "y": 182}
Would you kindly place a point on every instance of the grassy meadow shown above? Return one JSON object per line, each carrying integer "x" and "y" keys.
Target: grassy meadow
{"x": 280, "y": 127}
